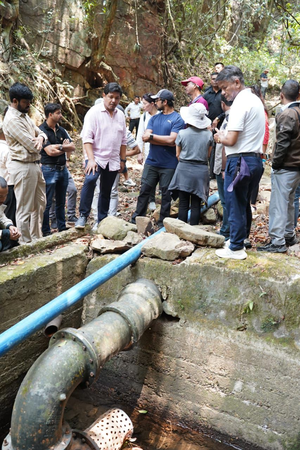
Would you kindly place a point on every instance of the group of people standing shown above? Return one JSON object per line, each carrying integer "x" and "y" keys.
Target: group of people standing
{"x": 221, "y": 133}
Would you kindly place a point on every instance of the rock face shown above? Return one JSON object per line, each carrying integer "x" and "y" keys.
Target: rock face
{"x": 167, "y": 246}
{"x": 193, "y": 234}
{"x": 113, "y": 228}
{"x": 64, "y": 33}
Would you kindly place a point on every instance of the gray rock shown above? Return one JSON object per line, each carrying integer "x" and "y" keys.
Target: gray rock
{"x": 209, "y": 216}
{"x": 114, "y": 228}
{"x": 132, "y": 238}
{"x": 144, "y": 225}
{"x": 193, "y": 234}
{"x": 219, "y": 209}
{"x": 107, "y": 246}
{"x": 167, "y": 246}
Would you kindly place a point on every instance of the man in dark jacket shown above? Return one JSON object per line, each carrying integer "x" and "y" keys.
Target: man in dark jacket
{"x": 285, "y": 175}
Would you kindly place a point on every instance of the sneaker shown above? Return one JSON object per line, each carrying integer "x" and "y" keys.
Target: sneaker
{"x": 272, "y": 248}
{"x": 132, "y": 220}
{"x": 227, "y": 244}
{"x": 247, "y": 243}
{"x": 230, "y": 254}
{"x": 54, "y": 225}
{"x": 152, "y": 206}
{"x": 95, "y": 227}
{"x": 81, "y": 222}
{"x": 72, "y": 219}
{"x": 291, "y": 241}
{"x": 129, "y": 182}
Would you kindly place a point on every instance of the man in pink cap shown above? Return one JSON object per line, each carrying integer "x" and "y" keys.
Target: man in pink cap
{"x": 193, "y": 86}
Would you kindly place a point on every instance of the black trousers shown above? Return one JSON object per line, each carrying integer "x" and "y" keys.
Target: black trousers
{"x": 184, "y": 204}
{"x": 155, "y": 175}
{"x": 134, "y": 123}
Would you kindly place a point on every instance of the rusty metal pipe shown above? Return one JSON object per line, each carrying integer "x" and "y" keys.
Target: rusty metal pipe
{"x": 76, "y": 357}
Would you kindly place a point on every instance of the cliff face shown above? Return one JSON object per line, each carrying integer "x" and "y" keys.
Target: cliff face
{"x": 69, "y": 38}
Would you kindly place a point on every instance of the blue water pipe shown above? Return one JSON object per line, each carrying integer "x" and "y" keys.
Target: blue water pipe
{"x": 38, "y": 319}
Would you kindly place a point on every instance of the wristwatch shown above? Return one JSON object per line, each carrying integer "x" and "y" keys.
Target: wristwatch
{"x": 150, "y": 137}
{"x": 123, "y": 160}
{"x": 60, "y": 148}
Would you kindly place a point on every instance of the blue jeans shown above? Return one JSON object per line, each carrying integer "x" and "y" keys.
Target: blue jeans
{"x": 296, "y": 204}
{"x": 107, "y": 179}
{"x": 225, "y": 229}
{"x": 238, "y": 201}
{"x": 56, "y": 183}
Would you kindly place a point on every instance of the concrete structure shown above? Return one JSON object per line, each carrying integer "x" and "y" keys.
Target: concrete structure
{"x": 225, "y": 355}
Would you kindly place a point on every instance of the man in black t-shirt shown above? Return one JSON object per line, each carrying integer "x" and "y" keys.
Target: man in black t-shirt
{"x": 53, "y": 159}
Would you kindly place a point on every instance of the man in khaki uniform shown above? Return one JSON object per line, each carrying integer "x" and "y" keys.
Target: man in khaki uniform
{"x": 25, "y": 142}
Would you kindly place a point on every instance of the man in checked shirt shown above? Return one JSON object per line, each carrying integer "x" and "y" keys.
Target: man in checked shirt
{"x": 25, "y": 142}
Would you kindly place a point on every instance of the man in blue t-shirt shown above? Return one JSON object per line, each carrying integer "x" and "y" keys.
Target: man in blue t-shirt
{"x": 161, "y": 133}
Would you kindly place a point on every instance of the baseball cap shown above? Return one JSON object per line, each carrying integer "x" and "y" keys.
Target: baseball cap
{"x": 163, "y": 94}
{"x": 195, "y": 80}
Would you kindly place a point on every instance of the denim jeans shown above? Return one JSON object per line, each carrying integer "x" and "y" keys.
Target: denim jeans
{"x": 296, "y": 205}
{"x": 107, "y": 179}
{"x": 56, "y": 183}
{"x": 238, "y": 201}
{"x": 225, "y": 229}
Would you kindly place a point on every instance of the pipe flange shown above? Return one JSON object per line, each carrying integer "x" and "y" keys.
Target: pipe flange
{"x": 79, "y": 337}
{"x": 81, "y": 441}
{"x": 113, "y": 307}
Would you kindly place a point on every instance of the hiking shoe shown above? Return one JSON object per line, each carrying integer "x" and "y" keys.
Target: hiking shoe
{"x": 272, "y": 248}
{"x": 81, "y": 222}
{"x": 72, "y": 219}
{"x": 129, "y": 182}
{"x": 291, "y": 241}
{"x": 152, "y": 206}
{"x": 231, "y": 254}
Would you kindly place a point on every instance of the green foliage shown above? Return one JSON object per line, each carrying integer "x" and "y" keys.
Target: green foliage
{"x": 248, "y": 307}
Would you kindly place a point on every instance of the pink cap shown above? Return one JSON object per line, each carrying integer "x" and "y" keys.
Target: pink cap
{"x": 195, "y": 80}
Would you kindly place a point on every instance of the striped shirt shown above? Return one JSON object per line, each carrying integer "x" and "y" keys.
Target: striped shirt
{"x": 19, "y": 132}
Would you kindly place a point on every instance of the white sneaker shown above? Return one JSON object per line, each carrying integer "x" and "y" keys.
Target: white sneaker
{"x": 230, "y": 254}
{"x": 95, "y": 227}
{"x": 227, "y": 244}
{"x": 129, "y": 182}
{"x": 152, "y": 206}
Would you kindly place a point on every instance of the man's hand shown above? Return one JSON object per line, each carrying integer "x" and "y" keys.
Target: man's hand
{"x": 218, "y": 136}
{"x": 14, "y": 233}
{"x": 91, "y": 166}
{"x": 146, "y": 136}
{"x": 38, "y": 142}
{"x": 122, "y": 166}
{"x": 140, "y": 158}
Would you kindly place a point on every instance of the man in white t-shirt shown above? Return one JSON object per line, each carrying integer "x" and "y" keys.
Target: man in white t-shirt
{"x": 243, "y": 144}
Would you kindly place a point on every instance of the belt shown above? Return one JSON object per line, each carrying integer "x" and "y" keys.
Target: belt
{"x": 55, "y": 166}
{"x": 237, "y": 155}
{"x": 26, "y": 162}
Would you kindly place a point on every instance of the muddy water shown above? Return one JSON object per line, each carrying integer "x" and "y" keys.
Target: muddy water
{"x": 149, "y": 432}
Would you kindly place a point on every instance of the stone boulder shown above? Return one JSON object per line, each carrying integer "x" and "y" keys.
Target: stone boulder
{"x": 132, "y": 238}
{"x": 144, "y": 225}
{"x": 209, "y": 216}
{"x": 106, "y": 246}
{"x": 114, "y": 228}
{"x": 167, "y": 246}
{"x": 193, "y": 234}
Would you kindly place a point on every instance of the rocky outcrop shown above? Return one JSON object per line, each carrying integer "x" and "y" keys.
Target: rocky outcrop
{"x": 68, "y": 35}
{"x": 114, "y": 228}
{"x": 193, "y": 233}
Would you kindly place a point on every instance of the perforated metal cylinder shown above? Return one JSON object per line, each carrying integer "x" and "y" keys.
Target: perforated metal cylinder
{"x": 111, "y": 430}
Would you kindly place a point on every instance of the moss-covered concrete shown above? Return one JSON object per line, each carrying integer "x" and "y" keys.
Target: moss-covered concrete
{"x": 226, "y": 355}
{"x": 26, "y": 285}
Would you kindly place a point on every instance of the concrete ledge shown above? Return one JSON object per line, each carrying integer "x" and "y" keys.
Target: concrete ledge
{"x": 227, "y": 356}
{"x": 25, "y": 287}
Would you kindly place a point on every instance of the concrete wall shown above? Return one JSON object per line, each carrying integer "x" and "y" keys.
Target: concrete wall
{"x": 225, "y": 357}
{"x": 26, "y": 285}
